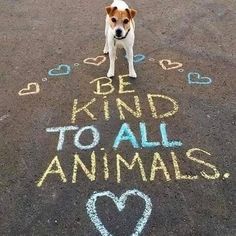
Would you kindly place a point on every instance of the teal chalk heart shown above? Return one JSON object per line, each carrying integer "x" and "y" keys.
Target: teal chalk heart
{"x": 60, "y": 70}
{"x": 120, "y": 204}
{"x": 196, "y": 78}
{"x": 138, "y": 58}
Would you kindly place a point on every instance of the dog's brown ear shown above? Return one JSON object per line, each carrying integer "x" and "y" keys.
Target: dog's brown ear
{"x": 132, "y": 13}
{"x": 110, "y": 10}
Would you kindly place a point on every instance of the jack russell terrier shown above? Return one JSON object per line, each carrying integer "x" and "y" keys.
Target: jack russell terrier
{"x": 119, "y": 32}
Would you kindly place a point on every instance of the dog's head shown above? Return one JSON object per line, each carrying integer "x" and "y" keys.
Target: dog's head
{"x": 120, "y": 20}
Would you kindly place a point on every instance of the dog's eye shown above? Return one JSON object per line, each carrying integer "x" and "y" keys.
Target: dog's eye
{"x": 126, "y": 21}
{"x": 113, "y": 20}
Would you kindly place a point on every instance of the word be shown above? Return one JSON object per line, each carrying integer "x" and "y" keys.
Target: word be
{"x": 120, "y": 203}
{"x": 32, "y": 88}
{"x": 196, "y": 78}
{"x": 125, "y": 134}
{"x": 158, "y": 166}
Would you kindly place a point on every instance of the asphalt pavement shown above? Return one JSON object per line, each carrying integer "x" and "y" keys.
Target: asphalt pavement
{"x": 81, "y": 154}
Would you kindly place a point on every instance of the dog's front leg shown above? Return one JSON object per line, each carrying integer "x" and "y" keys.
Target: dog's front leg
{"x": 112, "y": 56}
{"x": 130, "y": 57}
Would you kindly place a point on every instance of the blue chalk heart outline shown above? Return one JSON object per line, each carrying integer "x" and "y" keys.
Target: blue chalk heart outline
{"x": 138, "y": 58}
{"x": 120, "y": 203}
{"x": 61, "y": 70}
{"x": 196, "y": 78}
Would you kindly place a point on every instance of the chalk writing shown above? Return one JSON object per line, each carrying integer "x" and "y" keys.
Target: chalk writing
{"x": 120, "y": 204}
{"x": 97, "y": 61}
{"x": 32, "y": 88}
{"x": 126, "y": 134}
{"x": 196, "y": 78}
{"x": 62, "y": 130}
{"x": 159, "y": 166}
{"x": 60, "y": 70}
{"x": 55, "y": 162}
{"x": 89, "y": 107}
{"x": 168, "y": 65}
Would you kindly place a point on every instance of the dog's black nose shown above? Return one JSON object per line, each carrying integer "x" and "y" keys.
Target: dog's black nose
{"x": 118, "y": 33}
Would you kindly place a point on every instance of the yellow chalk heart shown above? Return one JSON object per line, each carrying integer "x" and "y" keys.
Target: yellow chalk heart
{"x": 32, "y": 88}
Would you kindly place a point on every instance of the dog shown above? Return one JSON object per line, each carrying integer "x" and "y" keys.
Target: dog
{"x": 119, "y": 33}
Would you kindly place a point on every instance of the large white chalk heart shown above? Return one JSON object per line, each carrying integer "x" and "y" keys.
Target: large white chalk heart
{"x": 120, "y": 203}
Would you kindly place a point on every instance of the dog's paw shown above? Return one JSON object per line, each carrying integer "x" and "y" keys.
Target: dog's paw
{"x": 133, "y": 75}
{"x": 110, "y": 74}
{"x": 105, "y": 51}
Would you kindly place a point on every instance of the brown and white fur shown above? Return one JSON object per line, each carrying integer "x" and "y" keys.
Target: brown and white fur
{"x": 119, "y": 32}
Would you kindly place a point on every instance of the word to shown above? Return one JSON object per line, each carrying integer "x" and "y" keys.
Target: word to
{"x": 32, "y": 88}
{"x": 120, "y": 203}
{"x": 196, "y": 78}
{"x": 124, "y": 134}
{"x": 168, "y": 65}
{"x": 60, "y": 70}
{"x": 138, "y": 58}
{"x": 97, "y": 61}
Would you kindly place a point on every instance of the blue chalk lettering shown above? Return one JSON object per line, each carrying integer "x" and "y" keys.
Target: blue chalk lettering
{"x": 144, "y": 142}
{"x": 96, "y": 138}
{"x": 125, "y": 134}
{"x": 62, "y": 131}
{"x": 165, "y": 141}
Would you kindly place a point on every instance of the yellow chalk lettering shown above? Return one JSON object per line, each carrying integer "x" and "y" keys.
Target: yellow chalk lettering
{"x": 121, "y": 104}
{"x": 106, "y": 109}
{"x": 161, "y": 166}
{"x": 106, "y": 169}
{"x": 123, "y": 84}
{"x": 153, "y": 108}
{"x": 84, "y": 108}
{"x": 130, "y": 166}
{"x": 216, "y": 174}
{"x": 50, "y": 170}
{"x": 90, "y": 174}
{"x": 108, "y": 85}
{"x": 178, "y": 174}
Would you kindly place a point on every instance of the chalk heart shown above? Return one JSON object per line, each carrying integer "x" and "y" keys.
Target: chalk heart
{"x": 196, "y": 78}
{"x": 32, "y": 88}
{"x": 61, "y": 70}
{"x": 97, "y": 61}
{"x": 120, "y": 203}
{"x": 169, "y": 65}
{"x": 138, "y": 58}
